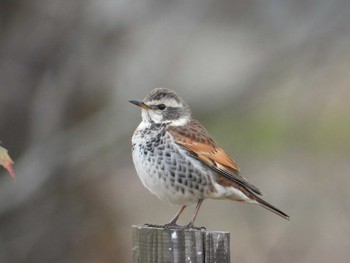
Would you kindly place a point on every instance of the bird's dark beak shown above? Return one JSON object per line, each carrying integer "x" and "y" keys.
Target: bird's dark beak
{"x": 140, "y": 103}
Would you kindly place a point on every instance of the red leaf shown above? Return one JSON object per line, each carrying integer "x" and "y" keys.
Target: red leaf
{"x": 6, "y": 161}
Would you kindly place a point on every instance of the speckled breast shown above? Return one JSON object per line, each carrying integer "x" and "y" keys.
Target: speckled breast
{"x": 166, "y": 169}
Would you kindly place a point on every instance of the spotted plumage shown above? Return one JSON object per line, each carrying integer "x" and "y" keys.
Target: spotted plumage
{"x": 177, "y": 159}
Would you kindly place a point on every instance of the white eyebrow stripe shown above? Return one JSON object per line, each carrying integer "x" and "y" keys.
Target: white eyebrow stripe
{"x": 168, "y": 103}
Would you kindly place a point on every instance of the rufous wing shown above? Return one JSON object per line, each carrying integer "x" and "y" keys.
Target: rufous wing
{"x": 196, "y": 140}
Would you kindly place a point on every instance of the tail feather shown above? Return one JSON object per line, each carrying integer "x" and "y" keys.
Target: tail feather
{"x": 270, "y": 207}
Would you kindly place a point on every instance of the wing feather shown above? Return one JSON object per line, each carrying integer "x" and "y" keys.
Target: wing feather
{"x": 196, "y": 140}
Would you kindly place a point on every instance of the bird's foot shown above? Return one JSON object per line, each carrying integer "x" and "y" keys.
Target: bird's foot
{"x": 191, "y": 226}
{"x": 176, "y": 226}
{"x": 172, "y": 226}
{"x": 166, "y": 226}
{"x": 154, "y": 225}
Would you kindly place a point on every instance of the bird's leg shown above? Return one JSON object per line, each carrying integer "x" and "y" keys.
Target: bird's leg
{"x": 172, "y": 223}
{"x": 176, "y": 217}
{"x": 191, "y": 223}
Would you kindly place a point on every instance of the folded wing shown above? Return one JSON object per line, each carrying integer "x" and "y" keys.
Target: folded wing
{"x": 197, "y": 141}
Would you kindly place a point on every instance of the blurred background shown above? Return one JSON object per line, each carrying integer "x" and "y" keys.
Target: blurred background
{"x": 269, "y": 79}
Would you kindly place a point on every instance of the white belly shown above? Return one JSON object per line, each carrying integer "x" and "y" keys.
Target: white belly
{"x": 149, "y": 176}
{"x": 155, "y": 174}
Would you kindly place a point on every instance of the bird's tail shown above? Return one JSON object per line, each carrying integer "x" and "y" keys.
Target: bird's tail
{"x": 270, "y": 207}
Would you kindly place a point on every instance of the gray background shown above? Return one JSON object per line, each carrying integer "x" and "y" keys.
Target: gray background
{"x": 269, "y": 79}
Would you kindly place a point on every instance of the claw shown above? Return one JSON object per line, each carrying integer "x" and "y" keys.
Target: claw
{"x": 191, "y": 226}
{"x": 176, "y": 226}
{"x": 166, "y": 226}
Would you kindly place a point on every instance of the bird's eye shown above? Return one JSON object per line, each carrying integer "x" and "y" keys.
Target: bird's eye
{"x": 161, "y": 106}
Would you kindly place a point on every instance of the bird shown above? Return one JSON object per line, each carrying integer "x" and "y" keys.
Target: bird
{"x": 177, "y": 159}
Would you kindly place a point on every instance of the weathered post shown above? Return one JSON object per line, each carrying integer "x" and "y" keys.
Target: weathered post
{"x": 151, "y": 245}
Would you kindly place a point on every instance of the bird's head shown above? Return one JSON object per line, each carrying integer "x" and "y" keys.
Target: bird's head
{"x": 164, "y": 106}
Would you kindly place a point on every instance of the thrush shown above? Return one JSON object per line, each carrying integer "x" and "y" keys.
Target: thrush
{"x": 178, "y": 161}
